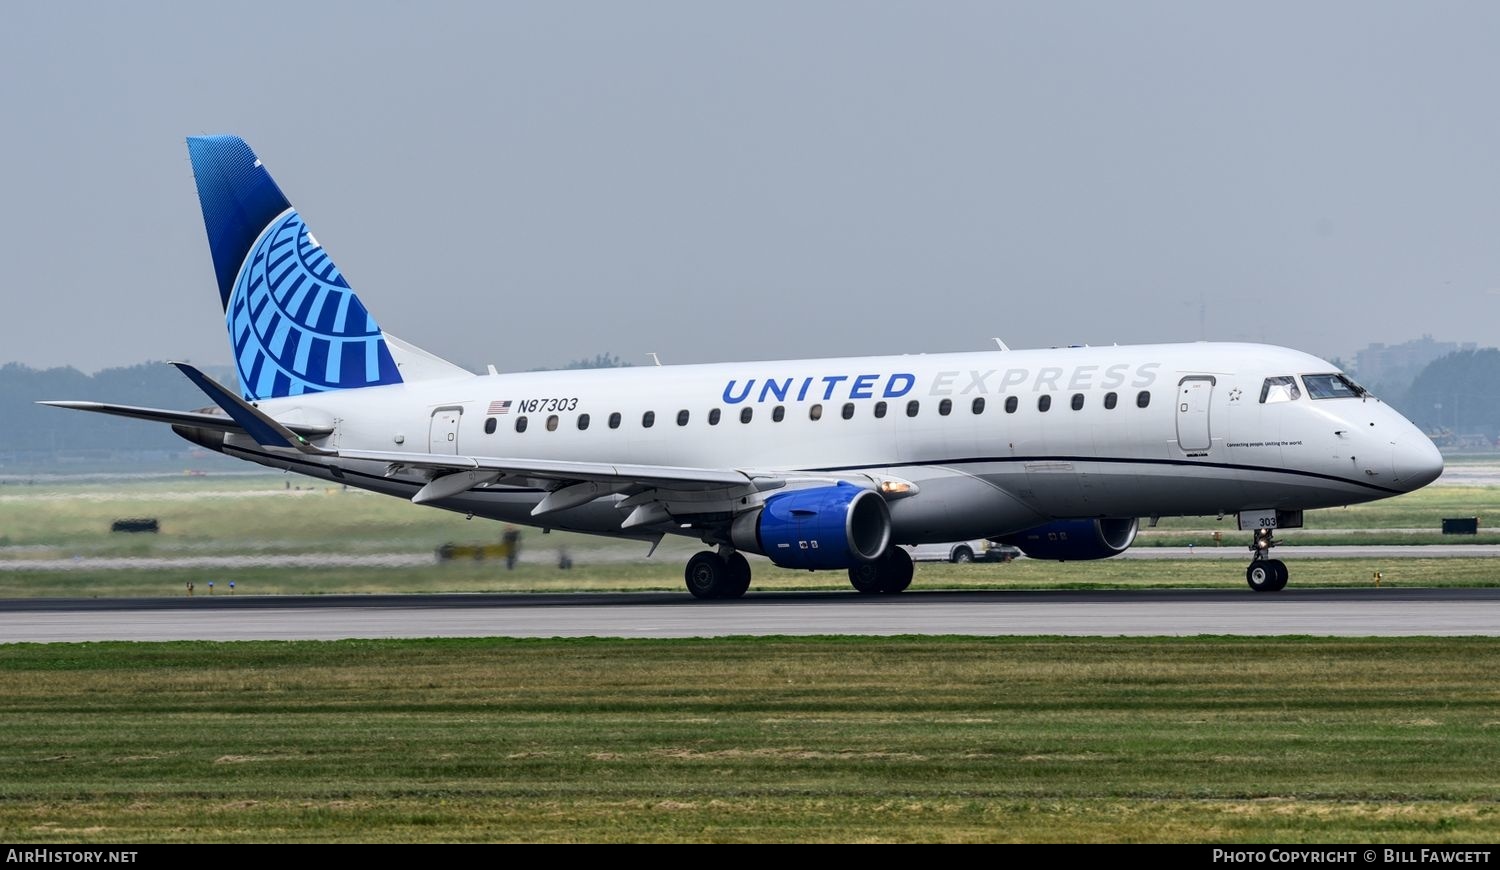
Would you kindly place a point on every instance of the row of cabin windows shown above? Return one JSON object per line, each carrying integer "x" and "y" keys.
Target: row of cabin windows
{"x": 778, "y": 413}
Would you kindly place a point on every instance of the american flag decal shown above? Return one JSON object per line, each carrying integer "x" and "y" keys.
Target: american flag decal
{"x": 497, "y": 408}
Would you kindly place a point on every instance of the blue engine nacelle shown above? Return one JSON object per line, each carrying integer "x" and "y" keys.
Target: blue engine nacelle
{"x": 836, "y": 526}
{"x": 1074, "y": 540}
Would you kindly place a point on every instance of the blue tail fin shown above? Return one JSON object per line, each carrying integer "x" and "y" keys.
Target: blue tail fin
{"x": 295, "y": 324}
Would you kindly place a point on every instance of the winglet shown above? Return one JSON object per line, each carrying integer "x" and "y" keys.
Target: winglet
{"x": 266, "y": 431}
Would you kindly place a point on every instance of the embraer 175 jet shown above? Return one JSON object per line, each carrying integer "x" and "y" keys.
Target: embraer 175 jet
{"x": 815, "y": 464}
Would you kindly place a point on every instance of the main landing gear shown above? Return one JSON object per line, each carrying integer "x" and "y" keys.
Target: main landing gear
{"x": 711, "y": 575}
{"x": 890, "y": 573}
{"x": 1265, "y": 574}
{"x": 714, "y": 576}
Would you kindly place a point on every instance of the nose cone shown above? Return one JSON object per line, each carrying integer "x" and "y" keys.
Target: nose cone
{"x": 1416, "y": 461}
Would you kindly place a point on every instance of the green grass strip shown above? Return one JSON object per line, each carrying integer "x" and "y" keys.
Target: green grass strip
{"x": 820, "y": 739}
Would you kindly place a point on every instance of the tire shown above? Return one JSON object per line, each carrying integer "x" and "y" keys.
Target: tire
{"x": 865, "y": 577}
{"x": 896, "y": 571}
{"x": 708, "y": 576}
{"x": 889, "y": 574}
{"x": 739, "y": 575}
{"x": 1281, "y": 575}
{"x": 1266, "y": 575}
{"x": 961, "y": 556}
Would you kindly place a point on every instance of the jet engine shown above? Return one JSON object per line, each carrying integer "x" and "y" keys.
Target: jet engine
{"x": 1075, "y": 540}
{"x": 836, "y": 526}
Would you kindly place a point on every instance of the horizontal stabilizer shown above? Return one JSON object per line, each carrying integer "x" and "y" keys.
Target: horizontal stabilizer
{"x": 416, "y": 364}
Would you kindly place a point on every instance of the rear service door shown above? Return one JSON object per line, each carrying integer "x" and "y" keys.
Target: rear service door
{"x": 442, "y": 436}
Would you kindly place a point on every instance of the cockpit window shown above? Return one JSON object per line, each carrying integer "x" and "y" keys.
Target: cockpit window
{"x": 1332, "y": 387}
{"x": 1282, "y": 388}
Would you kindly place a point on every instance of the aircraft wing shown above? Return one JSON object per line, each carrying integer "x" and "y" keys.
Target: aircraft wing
{"x": 655, "y": 492}
{"x": 195, "y": 419}
{"x": 664, "y": 476}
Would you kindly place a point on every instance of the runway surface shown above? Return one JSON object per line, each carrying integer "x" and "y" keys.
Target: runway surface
{"x": 1347, "y": 612}
{"x": 540, "y": 556}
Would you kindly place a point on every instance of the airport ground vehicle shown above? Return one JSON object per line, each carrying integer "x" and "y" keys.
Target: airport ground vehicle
{"x": 961, "y": 552}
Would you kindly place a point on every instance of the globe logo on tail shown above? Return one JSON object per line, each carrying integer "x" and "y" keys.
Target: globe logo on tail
{"x": 296, "y": 325}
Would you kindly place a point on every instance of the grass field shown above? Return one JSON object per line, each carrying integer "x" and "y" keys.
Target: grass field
{"x": 665, "y": 573}
{"x": 1371, "y": 523}
{"x": 803, "y": 740}
{"x": 261, "y": 514}
{"x": 1257, "y": 739}
{"x": 269, "y": 515}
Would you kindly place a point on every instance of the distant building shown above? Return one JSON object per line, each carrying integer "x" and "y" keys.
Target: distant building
{"x": 1400, "y": 363}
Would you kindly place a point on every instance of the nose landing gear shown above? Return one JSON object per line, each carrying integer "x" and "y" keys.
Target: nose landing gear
{"x": 1265, "y": 574}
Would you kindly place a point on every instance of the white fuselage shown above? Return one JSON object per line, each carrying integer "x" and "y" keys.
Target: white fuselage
{"x": 1204, "y": 442}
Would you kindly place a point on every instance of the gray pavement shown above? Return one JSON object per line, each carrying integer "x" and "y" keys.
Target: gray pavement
{"x": 1347, "y": 612}
{"x": 541, "y": 556}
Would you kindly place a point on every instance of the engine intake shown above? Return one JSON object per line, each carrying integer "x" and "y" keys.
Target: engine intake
{"x": 836, "y": 526}
{"x": 1075, "y": 540}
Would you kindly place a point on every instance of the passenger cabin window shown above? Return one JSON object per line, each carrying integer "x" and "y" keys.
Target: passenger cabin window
{"x": 583, "y": 422}
{"x": 945, "y": 407}
{"x": 1011, "y": 404}
{"x": 1142, "y": 399}
{"x": 913, "y": 407}
{"x": 682, "y": 417}
{"x": 521, "y": 423}
{"x": 552, "y": 423}
{"x": 879, "y": 410}
{"x": 977, "y": 406}
{"x": 848, "y": 412}
{"x": 746, "y": 414}
{"x": 614, "y": 420}
{"x": 1078, "y": 401}
{"x": 489, "y": 425}
{"x": 1279, "y": 389}
{"x": 713, "y": 417}
{"x": 1043, "y": 403}
{"x": 778, "y": 413}
{"x": 815, "y": 412}
{"x": 648, "y": 419}
{"x": 1332, "y": 387}
{"x": 1110, "y": 400}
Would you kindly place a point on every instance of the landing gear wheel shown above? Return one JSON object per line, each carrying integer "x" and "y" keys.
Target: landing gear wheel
{"x": 739, "y": 573}
{"x": 890, "y": 573}
{"x": 1267, "y": 575}
{"x": 708, "y": 576}
{"x": 865, "y": 577}
{"x": 1282, "y": 574}
{"x": 896, "y": 570}
{"x": 962, "y": 556}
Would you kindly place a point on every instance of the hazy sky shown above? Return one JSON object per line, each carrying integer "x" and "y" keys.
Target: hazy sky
{"x": 524, "y": 184}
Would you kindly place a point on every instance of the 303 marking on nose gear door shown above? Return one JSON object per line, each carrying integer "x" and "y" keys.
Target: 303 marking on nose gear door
{"x": 1269, "y": 519}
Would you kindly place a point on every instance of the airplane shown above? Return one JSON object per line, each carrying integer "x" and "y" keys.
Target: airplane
{"x": 816, "y": 464}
